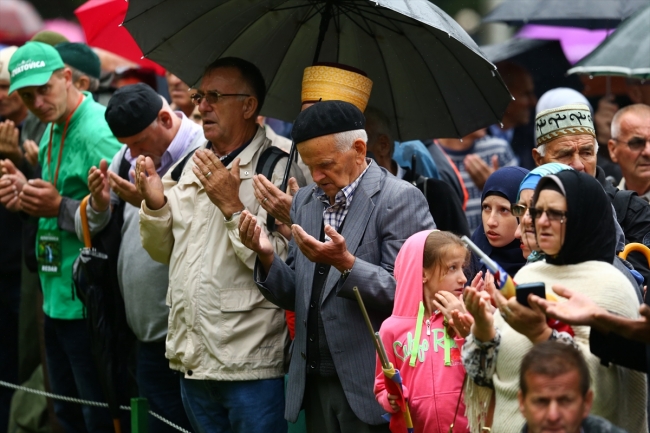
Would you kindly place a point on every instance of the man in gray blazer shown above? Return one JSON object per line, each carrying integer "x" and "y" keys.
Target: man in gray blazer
{"x": 347, "y": 231}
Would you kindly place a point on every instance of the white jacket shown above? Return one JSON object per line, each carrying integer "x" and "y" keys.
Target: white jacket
{"x": 220, "y": 325}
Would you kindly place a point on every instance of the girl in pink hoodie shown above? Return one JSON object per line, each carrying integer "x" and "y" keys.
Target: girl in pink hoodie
{"x": 418, "y": 340}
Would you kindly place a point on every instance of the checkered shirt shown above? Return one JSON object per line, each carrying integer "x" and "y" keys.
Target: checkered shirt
{"x": 334, "y": 214}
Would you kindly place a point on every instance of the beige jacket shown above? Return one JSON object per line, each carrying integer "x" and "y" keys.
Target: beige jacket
{"x": 220, "y": 325}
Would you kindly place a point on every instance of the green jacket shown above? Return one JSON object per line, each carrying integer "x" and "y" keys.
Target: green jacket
{"x": 88, "y": 140}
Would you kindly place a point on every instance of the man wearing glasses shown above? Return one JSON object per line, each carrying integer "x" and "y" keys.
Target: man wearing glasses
{"x": 224, "y": 337}
{"x": 629, "y": 148}
{"x": 566, "y": 135}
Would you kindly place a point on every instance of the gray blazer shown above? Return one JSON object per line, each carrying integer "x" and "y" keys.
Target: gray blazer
{"x": 384, "y": 212}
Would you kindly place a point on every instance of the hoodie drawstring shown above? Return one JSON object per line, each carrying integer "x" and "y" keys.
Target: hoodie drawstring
{"x": 418, "y": 333}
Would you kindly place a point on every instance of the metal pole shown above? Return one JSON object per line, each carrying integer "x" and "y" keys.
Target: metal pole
{"x": 139, "y": 415}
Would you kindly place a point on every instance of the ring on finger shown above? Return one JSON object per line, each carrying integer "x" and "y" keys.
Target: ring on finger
{"x": 265, "y": 199}
{"x": 506, "y": 311}
{"x": 208, "y": 174}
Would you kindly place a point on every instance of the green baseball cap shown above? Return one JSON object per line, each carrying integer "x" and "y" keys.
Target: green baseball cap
{"x": 32, "y": 65}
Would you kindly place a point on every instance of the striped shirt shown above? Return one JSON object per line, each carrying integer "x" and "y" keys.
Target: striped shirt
{"x": 334, "y": 214}
{"x": 177, "y": 148}
{"x": 485, "y": 148}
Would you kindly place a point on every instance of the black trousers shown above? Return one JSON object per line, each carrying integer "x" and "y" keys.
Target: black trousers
{"x": 327, "y": 409}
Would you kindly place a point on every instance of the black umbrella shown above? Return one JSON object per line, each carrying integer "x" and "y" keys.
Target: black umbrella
{"x": 429, "y": 76}
{"x": 591, "y": 14}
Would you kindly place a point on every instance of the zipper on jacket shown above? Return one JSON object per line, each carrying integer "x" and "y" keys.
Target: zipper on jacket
{"x": 428, "y": 327}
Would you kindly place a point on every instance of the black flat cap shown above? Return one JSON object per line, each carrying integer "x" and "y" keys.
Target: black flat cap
{"x": 131, "y": 109}
{"x": 327, "y": 117}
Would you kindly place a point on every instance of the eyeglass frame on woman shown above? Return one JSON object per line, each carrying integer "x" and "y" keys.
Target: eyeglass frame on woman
{"x": 551, "y": 214}
{"x": 211, "y": 94}
{"x": 518, "y": 210}
{"x": 634, "y": 143}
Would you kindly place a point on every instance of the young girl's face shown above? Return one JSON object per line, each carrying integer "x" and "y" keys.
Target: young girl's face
{"x": 448, "y": 277}
{"x": 498, "y": 223}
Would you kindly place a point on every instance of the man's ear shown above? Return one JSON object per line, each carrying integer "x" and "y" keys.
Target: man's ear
{"x": 250, "y": 107}
{"x": 611, "y": 146}
{"x": 539, "y": 159}
{"x": 359, "y": 147}
{"x": 522, "y": 402}
{"x": 165, "y": 119}
{"x": 83, "y": 83}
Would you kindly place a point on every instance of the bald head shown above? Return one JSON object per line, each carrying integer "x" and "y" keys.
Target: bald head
{"x": 638, "y": 110}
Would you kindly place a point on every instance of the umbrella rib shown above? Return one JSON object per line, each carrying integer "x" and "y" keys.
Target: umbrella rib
{"x": 290, "y": 7}
{"x": 390, "y": 86}
{"x": 377, "y": 10}
{"x": 358, "y": 12}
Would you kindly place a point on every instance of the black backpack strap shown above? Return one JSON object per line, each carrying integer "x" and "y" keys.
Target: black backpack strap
{"x": 178, "y": 170}
{"x": 265, "y": 166}
{"x": 125, "y": 167}
{"x": 621, "y": 204}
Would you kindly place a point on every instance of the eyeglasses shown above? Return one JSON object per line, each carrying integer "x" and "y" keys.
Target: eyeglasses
{"x": 551, "y": 214}
{"x": 635, "y": 143}
{"x": 212, "y": 96}
{"x": 518, "y": 210}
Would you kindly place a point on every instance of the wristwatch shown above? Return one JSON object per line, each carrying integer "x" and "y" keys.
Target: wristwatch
{"x": 345, "y": 273}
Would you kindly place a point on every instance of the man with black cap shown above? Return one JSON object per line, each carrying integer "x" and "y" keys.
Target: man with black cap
{"x": 347, "y": 231}
{"x": 76, "y": 135}
{"x": 225, "y": 338}
{"x": 144, "y": 122}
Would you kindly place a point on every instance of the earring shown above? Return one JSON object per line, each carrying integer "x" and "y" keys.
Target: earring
{"x": 424, "y": 280}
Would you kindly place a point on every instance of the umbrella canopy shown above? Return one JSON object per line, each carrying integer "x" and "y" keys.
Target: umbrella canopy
{"x": 429, "y": 76}
{"x": 101, "y": 22}
{"x": 591, "y": 14}
{"x": 19, "y": 21}
{"x": 626, "y": 52}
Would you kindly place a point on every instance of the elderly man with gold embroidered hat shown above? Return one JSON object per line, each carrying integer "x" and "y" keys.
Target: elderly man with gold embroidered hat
{"x": 321, "y": 82}
{"x": 566, "y": 134}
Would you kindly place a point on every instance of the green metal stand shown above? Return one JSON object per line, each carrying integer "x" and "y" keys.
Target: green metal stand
{"x": 139, "y": 415}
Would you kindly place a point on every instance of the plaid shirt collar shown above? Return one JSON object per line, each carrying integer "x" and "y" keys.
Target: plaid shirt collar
{"x": 343, "y": 198}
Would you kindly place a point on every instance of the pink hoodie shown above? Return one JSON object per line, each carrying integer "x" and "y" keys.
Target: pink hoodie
{"x": 432, "y": 388}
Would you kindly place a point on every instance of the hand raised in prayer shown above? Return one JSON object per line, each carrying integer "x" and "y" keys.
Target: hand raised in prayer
{"x": 40, "y": 198}
{"x": 31, "y": 152}
{"x": 447, "y": 302}
{"x": 479, "y": 307}
{"x": 9, "y": 147}
{"x": 254, "y": 238}
{"x": 478, "y": 170}
{"x": 275, "y": 202}
{"x": 148, "y": 183}
{"x": 334, "y": 253}
{"x": 98, "y": 186}
{"x": 125, "y": 189}
{"x": 11, "y": 184}
{"x": 221, "y": 185}
{"x": 530, "y": 322}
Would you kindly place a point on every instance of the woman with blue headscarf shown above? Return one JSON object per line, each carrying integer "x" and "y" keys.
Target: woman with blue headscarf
{"x": 496, "y": 235}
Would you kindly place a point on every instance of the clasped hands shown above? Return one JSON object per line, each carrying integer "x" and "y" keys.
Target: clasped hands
{"x": 36, "y": 197}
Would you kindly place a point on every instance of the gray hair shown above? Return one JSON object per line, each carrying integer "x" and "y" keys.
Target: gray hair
{"x": 344, "y": 140}
{"x": 93, "y": 83}
{"x": 541, "y": 149}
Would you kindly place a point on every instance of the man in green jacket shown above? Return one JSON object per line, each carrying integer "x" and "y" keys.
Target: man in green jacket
{"x": 75, "y": 138}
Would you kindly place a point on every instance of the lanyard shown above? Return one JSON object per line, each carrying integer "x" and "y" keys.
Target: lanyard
{"x": 49, "y": 145}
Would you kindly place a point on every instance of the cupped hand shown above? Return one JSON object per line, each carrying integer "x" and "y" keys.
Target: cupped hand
{"x": 148, "y": 183}
{"x": 480, "y": 308}
{"x": 98, "y": 186}
{"x": 126, "y": 190}
{"x": 275, "y": 202}
{"x": 530, "y": 322}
